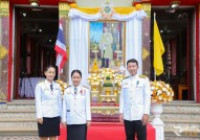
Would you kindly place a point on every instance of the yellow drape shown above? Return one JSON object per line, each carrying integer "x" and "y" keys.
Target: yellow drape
{"x": 119, "y": 10}
{"x": 158, "y": 50}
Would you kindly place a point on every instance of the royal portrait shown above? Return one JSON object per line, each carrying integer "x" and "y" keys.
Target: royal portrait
{"x": 107, "y": 46}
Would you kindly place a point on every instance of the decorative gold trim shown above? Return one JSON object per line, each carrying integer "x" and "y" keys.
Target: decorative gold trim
{"x": 105, "y": 110}
{"x": 3, "y": 52}
{"x": 124, "y": 48}
{"x": 2, "y": 96}
{"x": 4, "y": 8}
{"x": 89, "y": 46}
{"x": 63, "y": 9}
{"x": 147, "y": 9}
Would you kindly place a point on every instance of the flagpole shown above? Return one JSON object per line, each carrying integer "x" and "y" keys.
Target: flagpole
{"x": 60, "y": 47}
{"x": 154, "y": 50}
{"x": 59, "y": 71}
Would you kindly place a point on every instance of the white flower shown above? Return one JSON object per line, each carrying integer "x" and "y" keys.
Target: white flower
{"x": 167, "y": 85}
{"x": 168, "y": 93}
{"x": 159, "y": 91}
{"x": 158, "y": 84}
{"x": 164, "y": 89}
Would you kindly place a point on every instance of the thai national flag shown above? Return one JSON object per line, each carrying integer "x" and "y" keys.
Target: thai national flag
{"x": 60, "y": 48}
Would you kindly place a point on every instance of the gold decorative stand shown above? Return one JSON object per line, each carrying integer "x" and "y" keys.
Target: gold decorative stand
{"x": 105, "y": 87}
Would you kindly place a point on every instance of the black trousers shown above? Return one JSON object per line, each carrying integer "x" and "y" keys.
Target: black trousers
{"x": 77, "y": 132}
{"x": 133, "y": 128}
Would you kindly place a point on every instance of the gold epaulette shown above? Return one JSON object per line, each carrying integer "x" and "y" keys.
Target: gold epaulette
{"x": 142, "y": 76}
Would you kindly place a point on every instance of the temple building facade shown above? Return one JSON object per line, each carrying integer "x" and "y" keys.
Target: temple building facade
{"x": 100, "y": 36}
{"x": 29, "y": 28}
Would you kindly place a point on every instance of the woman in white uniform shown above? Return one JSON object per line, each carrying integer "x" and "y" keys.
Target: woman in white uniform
{"x": 48, "y": 106}
{"x": 76, "y": 108}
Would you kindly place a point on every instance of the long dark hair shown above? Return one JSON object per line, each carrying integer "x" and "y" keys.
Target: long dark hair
{"x": 76, "y": 71}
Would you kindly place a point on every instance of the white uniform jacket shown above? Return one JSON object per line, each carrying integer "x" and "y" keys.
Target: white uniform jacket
{"x": 135, "y": 97}
{"x": 76, "y": 106}
{"x": 48, "y": 102}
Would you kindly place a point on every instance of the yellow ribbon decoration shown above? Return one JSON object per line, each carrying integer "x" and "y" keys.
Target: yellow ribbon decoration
{"x": 124, "y": 10}
{"x": 118, "y": 10}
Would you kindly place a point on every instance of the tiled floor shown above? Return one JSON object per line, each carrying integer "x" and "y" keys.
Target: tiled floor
{"x": 19, "y": 138}
{"x": 36, "y": 138}
{"x": 171, "y": 138}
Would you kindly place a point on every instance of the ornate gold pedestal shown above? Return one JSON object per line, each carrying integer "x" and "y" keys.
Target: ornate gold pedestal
{"x": 105, "y": 89}
{"x": 108, "y": 98}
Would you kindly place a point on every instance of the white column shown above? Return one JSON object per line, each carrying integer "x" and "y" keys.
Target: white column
{"x": 157, "y": 123}
{"x": 78, "y": 48}
{"x": 134, "y": 41}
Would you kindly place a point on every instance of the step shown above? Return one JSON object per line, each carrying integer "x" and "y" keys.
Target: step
{"x": 182, "y": 127}
{"x": 18, "y": 120}
{"x": 23, "y": 102}
{"x": 30, "y": 125}
{"x": 17, "y": 111}
{"x": 18, "y": 107}
{"x": 180, "y": 118}
{"x": 17, "y": 115}
{"x": 181, "y": 109}
{"x": 181, "y": 103}
{"x": 182, "y": 136}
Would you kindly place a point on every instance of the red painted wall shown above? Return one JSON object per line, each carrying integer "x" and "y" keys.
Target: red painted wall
{"x": 197, "y": 52}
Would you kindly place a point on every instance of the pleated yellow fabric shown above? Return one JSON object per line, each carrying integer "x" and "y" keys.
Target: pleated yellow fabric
{"x": 158, "y": 51}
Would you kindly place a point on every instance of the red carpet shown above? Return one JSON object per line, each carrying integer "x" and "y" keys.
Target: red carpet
{"x": 108, "y": 131}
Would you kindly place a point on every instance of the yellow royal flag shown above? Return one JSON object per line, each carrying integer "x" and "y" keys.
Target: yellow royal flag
{"x": 158, "y": 51}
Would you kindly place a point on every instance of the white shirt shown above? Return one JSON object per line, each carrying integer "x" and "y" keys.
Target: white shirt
{"x": 76, "y": 107}
{"x": 48, "y": 102}
{"x": 135, "y": 97}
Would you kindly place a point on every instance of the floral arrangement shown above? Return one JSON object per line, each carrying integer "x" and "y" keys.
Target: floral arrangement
{"x": 107, "y": 73}
{"x": 106, "y": 78}
{"x": 63, "y": 86}
{"x": 161, "y": 92}
{"x": 118, "y": 80}
{"x": 94, "y": 78}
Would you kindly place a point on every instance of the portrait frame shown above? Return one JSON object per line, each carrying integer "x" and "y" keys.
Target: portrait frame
{"x": 119, "y": 58}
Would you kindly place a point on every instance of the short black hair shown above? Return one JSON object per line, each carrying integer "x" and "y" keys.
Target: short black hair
{"x": 76, "y": 71}
{"x": 48, "y": 67}
{"x": 132, "y": 61}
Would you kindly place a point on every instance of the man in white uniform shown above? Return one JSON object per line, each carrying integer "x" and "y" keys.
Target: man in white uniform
{"x": 105, "y": 45}
{"x": 135, "y": 102}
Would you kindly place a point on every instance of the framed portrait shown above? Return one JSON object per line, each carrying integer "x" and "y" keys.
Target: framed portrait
{"x": 106, "y": 44}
